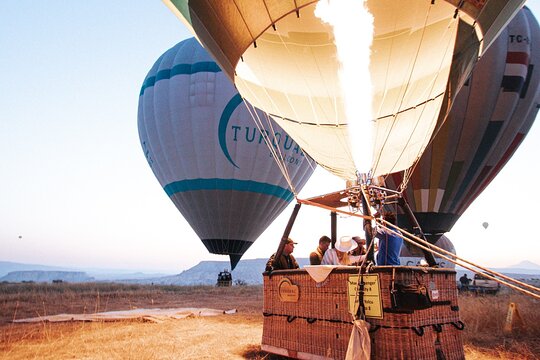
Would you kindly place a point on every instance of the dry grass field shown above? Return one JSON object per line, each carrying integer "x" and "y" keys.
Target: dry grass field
{"x": 219, "y": 337}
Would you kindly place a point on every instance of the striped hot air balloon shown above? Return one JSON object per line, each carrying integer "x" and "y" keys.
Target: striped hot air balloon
{"x": 489, "y": 119}
{"x": 208, "y": 154}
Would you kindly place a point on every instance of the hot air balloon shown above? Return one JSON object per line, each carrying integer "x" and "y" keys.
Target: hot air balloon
{"x": 283, "y": 59}
{"x": 489, "y": 119}
{"x": 485, "y": 225}
{"x": 209, "y": 155}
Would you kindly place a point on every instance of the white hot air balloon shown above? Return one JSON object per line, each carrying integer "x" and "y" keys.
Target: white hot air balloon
{"x": 209, "y": 155}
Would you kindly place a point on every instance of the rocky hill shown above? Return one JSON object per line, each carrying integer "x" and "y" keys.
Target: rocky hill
{"x": 8, "y": 266}
{"x": 205, "y": 273}
{"x": 46, "y": 276}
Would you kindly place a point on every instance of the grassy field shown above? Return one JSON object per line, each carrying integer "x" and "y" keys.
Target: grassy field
{"x": 218, "y": 337}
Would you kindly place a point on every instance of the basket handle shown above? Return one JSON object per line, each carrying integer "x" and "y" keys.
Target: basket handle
{"x": 460, "y": 325}
{"x": 290, "y": 318}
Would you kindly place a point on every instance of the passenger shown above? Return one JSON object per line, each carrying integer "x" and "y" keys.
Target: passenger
{"x": 315, "y": 258}
{"x": 360, "y": 250}
{"x": 340, "y": 254}
{"x": 286, "y": 261}
{"x": 389, "y": 243}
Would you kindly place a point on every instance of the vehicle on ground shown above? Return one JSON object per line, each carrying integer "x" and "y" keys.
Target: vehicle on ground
{"x": 484, "y": 285}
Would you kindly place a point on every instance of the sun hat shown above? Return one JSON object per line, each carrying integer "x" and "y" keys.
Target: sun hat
{"x": 346, "y": 244}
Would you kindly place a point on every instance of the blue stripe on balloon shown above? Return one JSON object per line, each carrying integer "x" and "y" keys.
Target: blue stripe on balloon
{"x": 180, "y": 69}
{"x": 228, "y": 184}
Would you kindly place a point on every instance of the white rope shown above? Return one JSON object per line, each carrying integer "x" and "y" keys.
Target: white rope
{"x": 274, "y": 150}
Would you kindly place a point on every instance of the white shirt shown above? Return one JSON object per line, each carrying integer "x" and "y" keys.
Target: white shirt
{"x": 330, "y": 258}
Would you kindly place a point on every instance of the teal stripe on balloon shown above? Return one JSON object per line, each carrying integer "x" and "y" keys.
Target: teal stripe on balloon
{"x": 180, "y": 69}
{"x": 228, "y": 184}
{"x": 224, "y": 121}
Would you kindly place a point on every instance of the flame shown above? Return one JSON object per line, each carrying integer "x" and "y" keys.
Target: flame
{"x": 353, "y": 34}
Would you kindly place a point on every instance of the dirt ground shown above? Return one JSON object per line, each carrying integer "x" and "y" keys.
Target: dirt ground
{"x": 236, "y": 336}
{"x": 219, "y": 337}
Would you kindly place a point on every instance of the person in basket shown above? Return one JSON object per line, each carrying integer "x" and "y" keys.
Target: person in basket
{"x": 286, "y": 260}
{"x": 340, "y": 254}
{"x": 315, "y": 258}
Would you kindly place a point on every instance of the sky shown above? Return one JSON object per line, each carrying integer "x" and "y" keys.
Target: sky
{"x": 75, "y": 187}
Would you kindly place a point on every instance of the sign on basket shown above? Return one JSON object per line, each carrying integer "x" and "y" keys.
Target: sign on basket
{"x": 288, "y": 292}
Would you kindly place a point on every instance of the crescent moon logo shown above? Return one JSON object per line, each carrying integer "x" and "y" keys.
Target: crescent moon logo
{"x": 224, "y": 121}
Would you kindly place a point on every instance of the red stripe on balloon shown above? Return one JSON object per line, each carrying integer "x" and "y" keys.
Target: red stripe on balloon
{"x": 517, "y": 57}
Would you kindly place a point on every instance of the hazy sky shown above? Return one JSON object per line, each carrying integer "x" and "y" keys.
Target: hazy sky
{"x": 75, "y": 187}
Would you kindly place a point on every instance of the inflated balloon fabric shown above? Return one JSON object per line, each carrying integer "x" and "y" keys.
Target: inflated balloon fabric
{"x": 209, "y": 156}
{"x": 488, "y": 121}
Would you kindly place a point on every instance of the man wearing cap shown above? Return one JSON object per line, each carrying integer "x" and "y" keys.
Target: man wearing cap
{"x": 340, "y": 254}
{"x": 286, "y": 261}
{"x": 360, "y": 250}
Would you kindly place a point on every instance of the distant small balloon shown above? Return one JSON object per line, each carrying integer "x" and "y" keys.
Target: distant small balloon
{"x": 485, "y": 225}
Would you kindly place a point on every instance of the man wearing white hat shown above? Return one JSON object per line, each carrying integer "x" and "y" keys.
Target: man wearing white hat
{"x": 339, "y": 255}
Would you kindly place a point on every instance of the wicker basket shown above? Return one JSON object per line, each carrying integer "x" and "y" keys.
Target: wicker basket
{"x": 313, "y": 320}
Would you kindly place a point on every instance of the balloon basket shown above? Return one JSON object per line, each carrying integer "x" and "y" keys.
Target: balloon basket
{"x": 305, "y": 319}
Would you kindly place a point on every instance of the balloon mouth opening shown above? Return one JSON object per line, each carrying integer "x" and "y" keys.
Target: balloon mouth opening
{"x": 233, "y": 247}
{"x": 235, "y": 259}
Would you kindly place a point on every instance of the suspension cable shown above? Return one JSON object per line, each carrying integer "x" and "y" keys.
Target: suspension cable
{"x": 274, "y": 150}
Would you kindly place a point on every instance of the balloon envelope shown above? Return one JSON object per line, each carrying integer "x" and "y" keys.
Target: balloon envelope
{"x": 485, "y": 225}
{"x": 209, "y": 156}
{"x": 490, "y": 117}
{"x": 283, "y": 60}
